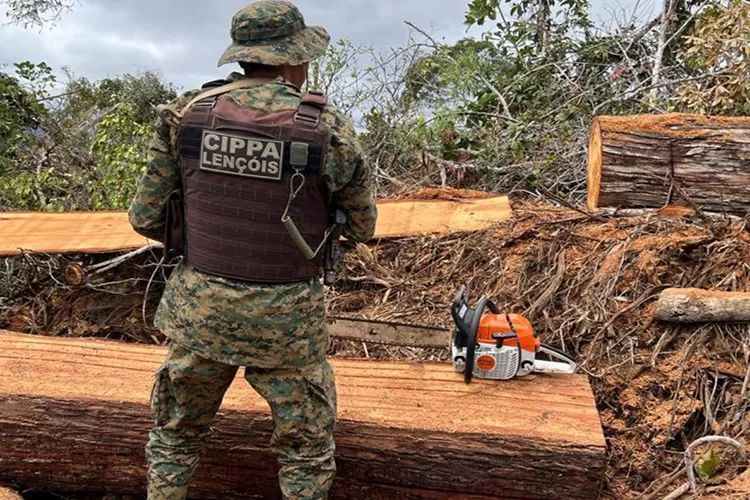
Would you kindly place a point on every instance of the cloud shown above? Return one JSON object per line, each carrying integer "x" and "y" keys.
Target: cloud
{"x": 183, "y": 39}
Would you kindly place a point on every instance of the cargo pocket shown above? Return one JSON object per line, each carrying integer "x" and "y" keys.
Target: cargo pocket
{"x": 321, "y": 392}
{"x": 161, "y": 397}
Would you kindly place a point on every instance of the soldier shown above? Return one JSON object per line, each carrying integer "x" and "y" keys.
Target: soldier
{"x": 231, "y": 161}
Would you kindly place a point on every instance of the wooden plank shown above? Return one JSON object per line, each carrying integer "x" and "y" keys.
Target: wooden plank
{"x": 67, "y": 232}
{"x": 388, "y": 332}
{"x": 75, "y": 419}
{"x": 402, "y": 218}
{"x": 111, "y": 231}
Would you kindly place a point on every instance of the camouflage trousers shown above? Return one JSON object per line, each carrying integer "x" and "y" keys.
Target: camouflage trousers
{"x": 187, "y": 394}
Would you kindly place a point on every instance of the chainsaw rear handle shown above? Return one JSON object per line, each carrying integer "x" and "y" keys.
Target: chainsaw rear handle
{"x": 458, "y": 301}
{"x": 471, "y": 345}
{"x": 471, "y": 339}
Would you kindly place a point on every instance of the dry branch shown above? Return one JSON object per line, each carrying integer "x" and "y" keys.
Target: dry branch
{"x": 692, "y": 305}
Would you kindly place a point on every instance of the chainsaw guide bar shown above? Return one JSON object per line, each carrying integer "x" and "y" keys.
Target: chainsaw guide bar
{"x": 388, "y": 333}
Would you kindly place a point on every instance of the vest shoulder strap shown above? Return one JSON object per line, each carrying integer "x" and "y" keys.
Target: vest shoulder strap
{"x": 214, "y": 83}
{"x": 174, "y": 117}
{"x": 311, "y": 106}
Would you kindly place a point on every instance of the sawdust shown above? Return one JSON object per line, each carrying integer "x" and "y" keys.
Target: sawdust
{"x": 734, "y": 489}
{"x": 658, "y": 386}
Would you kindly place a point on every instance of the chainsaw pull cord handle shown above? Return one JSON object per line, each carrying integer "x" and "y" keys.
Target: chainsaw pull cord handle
{"x": 471, "y": 341}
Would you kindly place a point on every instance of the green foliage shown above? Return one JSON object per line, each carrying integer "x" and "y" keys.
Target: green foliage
{"x": 22, "y": 115}
{"x": 141, "y": 92}
{"x": 339, "y": 74}
{"x": 19, "y": 113}
{"x": 119, "y": 146}
{"x": 707, "y": 464}
{"x": 719, "y": 48}
{"x": 83, "y": 149}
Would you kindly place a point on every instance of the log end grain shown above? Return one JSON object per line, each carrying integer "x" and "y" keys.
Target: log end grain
{"x": 648, "y": 161}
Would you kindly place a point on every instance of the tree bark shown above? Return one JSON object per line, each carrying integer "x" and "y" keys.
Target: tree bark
{"x": 649, "y": 161}
{"x": 693, "y": 305}
{"x": 75, "y": 418}
{"x": 667, "y": 14}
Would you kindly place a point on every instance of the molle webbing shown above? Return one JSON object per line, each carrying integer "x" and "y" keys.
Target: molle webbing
{"x": 236, "y": 163}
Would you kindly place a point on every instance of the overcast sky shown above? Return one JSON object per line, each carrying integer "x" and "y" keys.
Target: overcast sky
{"x": 183, "y": 39}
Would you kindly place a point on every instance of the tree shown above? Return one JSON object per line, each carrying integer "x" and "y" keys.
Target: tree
{"x": 36, "y": 13}
{"x": 82, "y": 148}
{"x": 719, "y": 48}
{"x": 21, "y": 113}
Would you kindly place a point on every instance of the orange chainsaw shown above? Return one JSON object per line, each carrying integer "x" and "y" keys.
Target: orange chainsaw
{"x": 496, "y": 345}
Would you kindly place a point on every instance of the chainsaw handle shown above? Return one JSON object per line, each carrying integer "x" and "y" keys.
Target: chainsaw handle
{"x": 471, "y": 341}
{"x": 567, "y": 364}
{"x": 492, "y": 307}
{"x": 458, "y": 301}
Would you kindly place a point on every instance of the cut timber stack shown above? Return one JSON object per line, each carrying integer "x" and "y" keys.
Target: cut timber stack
{"x": 647, "y": 161}
{"x": 74, "y": 418}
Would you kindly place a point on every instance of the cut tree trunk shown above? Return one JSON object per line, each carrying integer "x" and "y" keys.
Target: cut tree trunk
{"x": 649, "y": 161}
{"x": 694, "y": 305}
{"x": 75, "y": 418}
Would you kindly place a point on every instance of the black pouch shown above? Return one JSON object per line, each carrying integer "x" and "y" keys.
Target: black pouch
{"x": 174, "y": 231}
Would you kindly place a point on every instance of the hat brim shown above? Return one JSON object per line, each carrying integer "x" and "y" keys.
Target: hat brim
{"x": 298, "y": 48}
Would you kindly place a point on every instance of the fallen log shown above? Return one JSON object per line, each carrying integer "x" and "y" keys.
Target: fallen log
{"x": 654, "y": 160}
{"x": 694, "y": 305}
{"x": 74, "y": 418}
{"x": 67, "y": 232}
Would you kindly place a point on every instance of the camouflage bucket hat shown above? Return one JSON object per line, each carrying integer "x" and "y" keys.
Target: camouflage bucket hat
{"x": 273, "y": 32}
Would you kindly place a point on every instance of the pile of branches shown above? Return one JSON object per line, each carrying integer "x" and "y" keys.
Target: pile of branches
{"x": 588, "y": 282}
{"x": 589, "y": 285}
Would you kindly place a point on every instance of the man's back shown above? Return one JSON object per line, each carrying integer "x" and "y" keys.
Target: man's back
{"x": 230, "y": 320}
{"x": 216, "y": 323}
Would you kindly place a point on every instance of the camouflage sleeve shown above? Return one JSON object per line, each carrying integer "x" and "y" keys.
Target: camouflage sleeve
{"x": 349, "y": 178}
{"x": 147, "y": 211}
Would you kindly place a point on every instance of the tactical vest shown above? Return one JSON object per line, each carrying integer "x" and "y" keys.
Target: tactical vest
{"x": 236, "y": 164}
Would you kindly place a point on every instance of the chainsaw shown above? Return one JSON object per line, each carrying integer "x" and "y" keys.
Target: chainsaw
{"x": 498, "y": 345}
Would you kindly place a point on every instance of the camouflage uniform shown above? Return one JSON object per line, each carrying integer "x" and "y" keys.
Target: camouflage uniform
{"x": 276, "y": 331}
